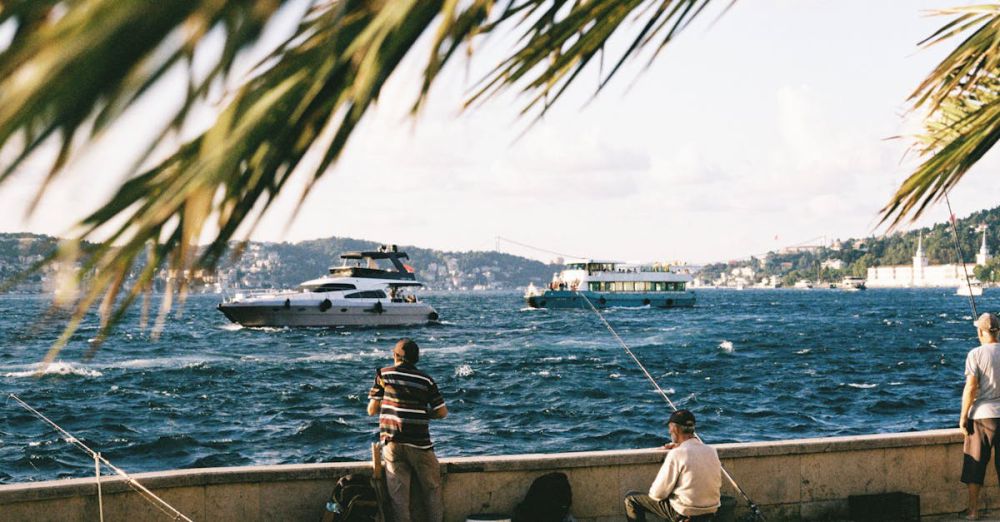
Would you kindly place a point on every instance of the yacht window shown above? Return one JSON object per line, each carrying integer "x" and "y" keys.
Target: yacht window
{"x": 367, "y": 294}
{"x": 331, "y": 287}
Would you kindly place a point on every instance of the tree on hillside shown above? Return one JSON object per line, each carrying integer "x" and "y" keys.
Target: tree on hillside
{"x": 71, "y": 70}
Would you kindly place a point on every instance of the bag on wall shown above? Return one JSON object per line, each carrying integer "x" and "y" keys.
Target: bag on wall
{"x": 353, "y": 500}
{"x": 548, "y": 500}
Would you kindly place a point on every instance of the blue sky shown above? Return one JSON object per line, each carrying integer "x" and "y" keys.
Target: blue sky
{"x": 770, "y": 123}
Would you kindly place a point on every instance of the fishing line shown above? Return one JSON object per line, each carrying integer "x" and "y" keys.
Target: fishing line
{"x": 754, "y": 509}
{"x": 961, "y": 257}
{"x": 146, "y": 494}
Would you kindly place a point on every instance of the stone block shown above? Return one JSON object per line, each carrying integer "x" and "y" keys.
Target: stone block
{"x": 233, "y": 503}
{"x": 775, "y": 512}
{"x": 132, "y": 507}
{"x": 295, "y": 500}
{"x": 824, "y": 510}
{"x": 831, "y": 476}
{"x": 595, "y": 491}
{"x": 485, "y": 492}
{"x": 767, "y": 480}
{"x": 634, "y": 478}
{"x": 62, "y": 510}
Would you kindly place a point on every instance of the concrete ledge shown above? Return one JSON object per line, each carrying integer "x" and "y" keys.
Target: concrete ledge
{"x": 804, "y": 479}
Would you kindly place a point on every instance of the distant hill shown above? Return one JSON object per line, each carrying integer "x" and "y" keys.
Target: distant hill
{"x": 285, "y": 265}
{"x": 856, "y": 255}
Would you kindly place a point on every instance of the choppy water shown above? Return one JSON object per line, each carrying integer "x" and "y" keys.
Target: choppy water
{"x": 753, "y": 365}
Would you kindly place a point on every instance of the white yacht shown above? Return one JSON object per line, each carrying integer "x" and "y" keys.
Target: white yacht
{"x": 357, "y": 293}
{"x": 611, "y": 283}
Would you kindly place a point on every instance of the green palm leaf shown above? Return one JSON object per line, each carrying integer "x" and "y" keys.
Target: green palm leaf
{"x": 962, "y": 100}
{"x": 74, "y": 67}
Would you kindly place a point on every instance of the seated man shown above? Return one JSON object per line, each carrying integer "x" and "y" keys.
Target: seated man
{"x": 687, "y": 488}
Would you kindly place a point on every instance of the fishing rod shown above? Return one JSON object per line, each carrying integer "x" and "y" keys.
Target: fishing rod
{"x": 754, "y": 509}
{"x": 961, "y": 257}
{"x": 146, "y": 494}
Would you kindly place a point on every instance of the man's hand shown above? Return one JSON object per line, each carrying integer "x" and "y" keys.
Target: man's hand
{"x": 963, "y": 424}
{"x": 669, "y": 446}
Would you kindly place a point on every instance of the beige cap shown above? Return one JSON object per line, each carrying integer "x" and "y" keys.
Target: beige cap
{"x": 988, "y": 322}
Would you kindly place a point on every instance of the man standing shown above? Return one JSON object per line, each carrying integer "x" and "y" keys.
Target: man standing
{"x": 406, "y": 399}
{"x": 687, "y": 488}
{"x": 980, "y": 419}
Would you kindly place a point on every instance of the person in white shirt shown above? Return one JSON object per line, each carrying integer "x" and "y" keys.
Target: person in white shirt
{"x": 688, "y": 486}
{"x": 980, "y": 417}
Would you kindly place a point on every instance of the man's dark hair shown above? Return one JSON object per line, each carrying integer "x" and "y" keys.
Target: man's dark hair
{"x": 409, "y": 349}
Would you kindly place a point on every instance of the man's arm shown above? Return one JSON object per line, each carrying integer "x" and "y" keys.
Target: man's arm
{"x": 968, "y": 397}
{"x": 439, "y": 413}
{"x": 374, "y": 406}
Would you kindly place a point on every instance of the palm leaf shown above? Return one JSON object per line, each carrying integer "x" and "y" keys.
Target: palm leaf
{"x": 67, "y": 78}
{"x": 962, "y": 99}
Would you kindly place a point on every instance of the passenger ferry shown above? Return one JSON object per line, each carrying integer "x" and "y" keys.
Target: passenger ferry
{"x": 612, "y": 283}
{"x": 360, "y": 292}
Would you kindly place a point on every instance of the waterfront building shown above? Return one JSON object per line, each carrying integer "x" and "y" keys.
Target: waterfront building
{"x": 921, "y": 274}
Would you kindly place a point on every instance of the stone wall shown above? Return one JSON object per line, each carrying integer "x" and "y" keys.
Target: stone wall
{"x": 807, "y": 479}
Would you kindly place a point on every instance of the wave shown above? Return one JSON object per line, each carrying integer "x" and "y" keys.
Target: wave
{"x": 726, "y": 346}
{"x": 464, "y": 371}
{"x": 56, "y": 368}
{"x": 862, "y": 385}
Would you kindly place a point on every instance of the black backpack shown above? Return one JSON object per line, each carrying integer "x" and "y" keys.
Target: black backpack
{"x": 548, "y": 500}
{"x": 356, "y": 497}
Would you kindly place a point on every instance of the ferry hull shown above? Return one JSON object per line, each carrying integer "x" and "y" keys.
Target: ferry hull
{"x": 570, "y": 299}
{"x": 389, "y": 314}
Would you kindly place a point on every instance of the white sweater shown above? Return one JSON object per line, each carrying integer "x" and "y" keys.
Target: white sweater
{"x": 691, "y": 478}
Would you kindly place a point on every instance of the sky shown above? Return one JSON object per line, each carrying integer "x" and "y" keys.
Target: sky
{"x": 769, "y": 126}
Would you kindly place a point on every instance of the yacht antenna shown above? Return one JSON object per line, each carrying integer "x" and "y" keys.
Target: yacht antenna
{"x": 961, "y": 257}
{"x": 754, "y": 509}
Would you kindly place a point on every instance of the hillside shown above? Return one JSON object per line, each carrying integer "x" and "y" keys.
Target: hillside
{"x": 285, "y": 265}
{"x": 854, "y": 256}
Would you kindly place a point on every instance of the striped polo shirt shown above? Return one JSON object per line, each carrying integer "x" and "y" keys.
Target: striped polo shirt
{"x": 407, "y": 395}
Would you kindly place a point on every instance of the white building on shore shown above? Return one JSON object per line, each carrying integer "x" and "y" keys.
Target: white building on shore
{"x": 921, "y": 275}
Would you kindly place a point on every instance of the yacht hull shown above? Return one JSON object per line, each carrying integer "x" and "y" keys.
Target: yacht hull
{"x": 571, "y": 299}
{"x": 336, "y": 314}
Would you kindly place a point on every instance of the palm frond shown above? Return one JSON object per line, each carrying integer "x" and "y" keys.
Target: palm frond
{"x": 72, "y": 74}
{"x": 962, "y": 99}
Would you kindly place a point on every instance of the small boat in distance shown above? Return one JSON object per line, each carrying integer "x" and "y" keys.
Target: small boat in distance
{"x": 853, "y": 284}
{"x": 973, "y": 288}
{"x": 612, "y": 283}
{"x": 359, "y": 294}
{"x": 803, "y": 284}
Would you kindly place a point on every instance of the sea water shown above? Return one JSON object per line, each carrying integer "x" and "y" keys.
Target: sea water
{"x": 753, "y": 365}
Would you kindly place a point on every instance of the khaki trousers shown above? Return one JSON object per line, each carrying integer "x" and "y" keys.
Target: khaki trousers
{"x": 404, "y": 463}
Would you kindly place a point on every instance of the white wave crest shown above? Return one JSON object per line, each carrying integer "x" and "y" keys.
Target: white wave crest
{"x": 726, "y": 346}
{"x": 803, "y": 351}
{"x": 231, "y": 327}
{"x": 464, "y": 371}
{"x": 862, "y": 385}
{"x": 56, "y": 368}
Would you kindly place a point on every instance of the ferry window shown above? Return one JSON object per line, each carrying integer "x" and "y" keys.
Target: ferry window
{"x": 656, "y": 286}
{"x": 595, "y": 287}
{"x": 629, "y": 286}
